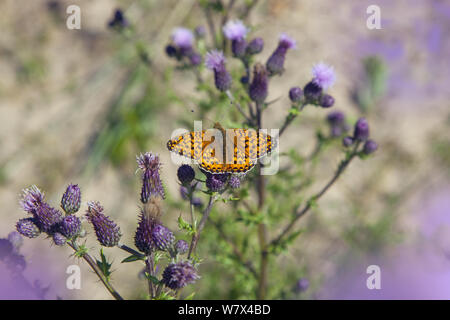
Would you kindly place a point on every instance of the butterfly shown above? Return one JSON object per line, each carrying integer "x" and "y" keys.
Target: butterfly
{"x": 223, "y": 151}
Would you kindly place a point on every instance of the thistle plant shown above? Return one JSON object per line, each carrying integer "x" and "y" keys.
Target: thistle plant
{"x": 243, "y": 221}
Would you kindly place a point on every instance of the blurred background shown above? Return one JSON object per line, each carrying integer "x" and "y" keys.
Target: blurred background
{"x": 76, "y": 106}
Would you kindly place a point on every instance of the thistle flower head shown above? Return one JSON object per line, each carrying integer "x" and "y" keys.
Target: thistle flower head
{"x": 295, "y": 94}
{"x": 361, "y": 131}
{"x": 151, "y": 181}
{"x": 336, "y": 118}
{"x": 323, "y": 75}
{"x": 183, "y": 38}
{"x": 71, "y": 199}
{"x": 255, "y": 46}
{"x": 215, "y": 60}
{"x": 287, "y": 42}
{"x": 326, "y": 101}
{"x": 181, "y": 247}
{"x": 28, "y": 228}
{"x": 162, "y": 237}
{"x": 216, "y": 182}
{"x": 235, "y": 30}
{"x": 70, "y": 226}
{"x": 143, "y": 236}
{"x": 118, "y": 20}
{"x": 31, "y": 199}
{"x": 106, "y": 230}
{"x": 258, "y": 89}
{"x": 185, "y": 174}
{"x": 312, "y": 91}
{"x": 347, "y": 141}
{"x": 178, "y": 275}
{"x": 58, "y": 239}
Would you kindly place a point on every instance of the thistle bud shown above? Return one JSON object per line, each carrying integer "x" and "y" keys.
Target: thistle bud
{"x": 185, "y": 174}
{"x": 70, "y": 226}
{"x": 238, "y": 47}
{"x": 275, "y": 64}
{"x": 47, "y": 217}
{"x": 234, "y": 182}
{"x": 301, "y": 285}
{"x": 215, "y": 60}
{"x": 162, "y": 237}
{"x": 370, "y": 147}
{"x": 295, "y": 94}
{"x": 118, "y": 20}
{"x": 181, "y": 247}
{"x": 312, "y": 92}
{"x": 258, "y": 89}
{"x": 178, "y": 275}
{"x": 255, "y": 46}
{"x": 143, "y": 236}
{"x": 152, "y": 186}
{"x": 347, "y": 141}
{"x": 71, "y": 199}
{"x": 361, "y": 130}
{"x": 106, "y": 230}
{"x": 58, "y": 239}
{"x": 326, "y": 101}
{"x": 216, "y": 182}
{"x": 28, "y": 228}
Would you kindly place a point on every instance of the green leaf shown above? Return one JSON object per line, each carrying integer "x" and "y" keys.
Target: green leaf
{"x": 153, "y": 279}
{"x": 132, "y": 258}
{"x": 183, "y": 225}
{"x": 190, "y": 297}
{"x": 104, "y": 265}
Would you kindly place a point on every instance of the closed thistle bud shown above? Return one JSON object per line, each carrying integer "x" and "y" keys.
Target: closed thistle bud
{"x": 215, "y": 60}
{"x": 238, "y": 47}
{"x": 28, "y": 228}
{"x": 118, "y": 20}
{"x": 336, "y": 118}
{"x": 71, "y": 199}
{"x": 234, "y": 182}
{"x": 275, "y": 64}
{"x": 258, "y": 89}
{"x": 312, "y": 91}
{"x": 143, "y": 236}
{"x": 70, "y": 226}
{"x": 295, "y": 94}
{"x": 151, "y": 181}
{"x": 178, "y": 275}
{"x": 326, "y": 101}
{"x": 181, "y": 247}
{"x": 185, "y": 174}
{"x": 370, "y": 147}
{"x": 215, "y": 182}
{"x": 162, "y": 237}
{"x": 347, "y": 141}
{"x": 255, "y": 46}
{"x": 106, "y": 230}
{"x": 361, "y": 130}
{"x": 47, "y": 217}
{"x": 58, "y": 239}
{"x": 171, "y": 51}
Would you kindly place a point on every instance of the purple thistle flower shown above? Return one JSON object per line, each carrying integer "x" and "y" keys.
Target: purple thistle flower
{"x": 295, "y": 94}
{"x": 235, "y": 30}
{"x": 370, "y": 147}
{"x": 143, "y": 236}
{"x": 216, "y": 182}
{"x": 215, "y": 60}
{"x": 31, "y": 199}
{"x": 28, "y": 228}
{"x": 195, "y": 58}
{"x": 106, "y": 230}
{"x": 347, "y": 141}
{"x": 118, "y": 20}
{"x": 171, "y": 51}
{"x": 181, "y": 247}
{"x": 336, "y": 118}
{"x": 275, "y": 64}
{"x": 185, "y": 174}
{"x": 151, "y": 181}
{"x": 239, "y": 47}
{"x": 312, "y": 92}
{"x": 16, "y": 240}
{"x": 70, "y": 226}
{"x": 255, "y": 46}
{"x": 183, "y": 38}
{"x": 361, "y": 130}
{"x": 58, "y": 239}
{"x": 47, "y": 217}
{"x": 258, "y": 89}
{"x": 71, "y": 199}
{"x": 234, "y": 182}
{"x": 323, "y": 75}
{"x": 162, "y": 237}
{"x": 178, "y": 275}
{"x": 326, "y": 101}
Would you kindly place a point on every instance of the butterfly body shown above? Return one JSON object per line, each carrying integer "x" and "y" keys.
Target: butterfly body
{"x": 223, "y": 151}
